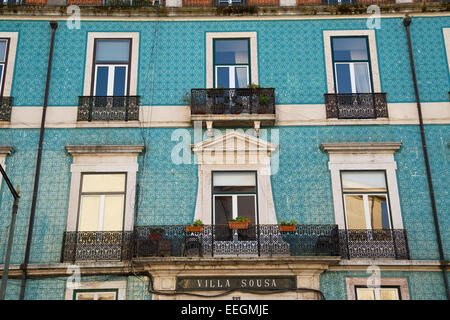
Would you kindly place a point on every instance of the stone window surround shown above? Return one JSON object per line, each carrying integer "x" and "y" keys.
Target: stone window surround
{"x": 4, "y": 152}
{"x": 134, "y": 59}
{"x": 391, "y": 282}
{"x": 446, "y": 32}
{"x": 121, "y": 286}
{"x": 370, "y": 34}
{"x": 210, "y": 36}
{"x": 8, "y": 77}
{"x": 98, "y": 159}
{"x": 364, "y": 156}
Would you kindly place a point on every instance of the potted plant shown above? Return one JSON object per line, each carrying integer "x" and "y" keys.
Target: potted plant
{"x": 288, "y": 226}
{"x": 238, "y": 223}
{"x": 155, "y": 233}
{"x": 196, "y": 226}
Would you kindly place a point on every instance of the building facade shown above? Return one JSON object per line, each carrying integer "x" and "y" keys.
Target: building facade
{"x": 161, "y": 114}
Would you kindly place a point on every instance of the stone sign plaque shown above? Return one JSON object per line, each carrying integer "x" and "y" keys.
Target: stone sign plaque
{"x": 235, "y": 282}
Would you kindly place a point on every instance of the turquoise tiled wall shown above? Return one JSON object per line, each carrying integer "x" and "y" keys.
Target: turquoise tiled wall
{"x": 301, "y": 188}
{"x": 172, "y": 60}
{"x": 422, "y": 285}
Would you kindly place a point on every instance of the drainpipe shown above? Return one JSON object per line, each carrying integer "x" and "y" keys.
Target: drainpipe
{"x": 443, "y": 262}
{"x": 23, "y": 266}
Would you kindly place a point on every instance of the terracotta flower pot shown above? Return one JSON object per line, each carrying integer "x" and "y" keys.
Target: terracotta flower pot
{"x": 287, "y": 228}
{"x": 194, "y": 228}
{"x": 238, "y": 224}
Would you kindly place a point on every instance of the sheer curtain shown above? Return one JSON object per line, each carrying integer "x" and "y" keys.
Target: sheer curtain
{"x": 362, "y": 82}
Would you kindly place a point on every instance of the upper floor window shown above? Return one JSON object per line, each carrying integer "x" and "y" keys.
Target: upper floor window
{"x": 95, "y": 294}
{"x": 351, "y": 64}
{"x": 231, "y": 63}
{"x": 102, "y": 201}
{"x": 111, "y": 67}
{"x": 3, "y": 61}
{"x": 365, "y": 199}
{"x": 382, "y": 293}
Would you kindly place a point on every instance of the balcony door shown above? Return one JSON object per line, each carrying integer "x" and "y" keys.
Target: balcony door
{"x": 231, "y": 63}
{"x": 234, "y": 195}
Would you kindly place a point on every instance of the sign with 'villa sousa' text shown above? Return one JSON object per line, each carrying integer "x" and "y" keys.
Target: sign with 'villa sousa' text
{"x": 235, "y": 282}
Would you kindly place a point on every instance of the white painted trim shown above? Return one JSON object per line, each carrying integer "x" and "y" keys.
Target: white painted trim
{"x": 103, "y": 159}
{"x": 90, "y": 58}
{"x": 180, "y": 116}
{"x": 8, "y": 78}
{"x": 327, "y": 34}
{"x": 120, "y": 285}
{"x": 359, "y": 281}
{"x": 446, "y": 34}
{"x": 234, "y": 151}
{"x": 4, "y": 152}
{"x": 363, "y": 156}
{"x": 210, "y": 36}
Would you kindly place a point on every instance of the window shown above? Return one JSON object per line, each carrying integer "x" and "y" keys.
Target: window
{"x": 351, "y": 64}
{"x": 231, "y": 63}
{"x": 102, "y": 201}
{"x": 234, "y": 195}
{"x": 111, "y": 67}
{"x": 365, "y": 199}
{"x": 95, "y": 295}
{"x": 3, "y": 61}
{"x": 382, "y": 293}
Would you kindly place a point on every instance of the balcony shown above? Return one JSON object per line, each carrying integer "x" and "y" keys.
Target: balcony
{"x": 234, "y": 107}
{"x": 5, "y": 108}
{"x": 356, "y": 105}
{"x": 97, "y": 246}
{"x": 220, "y": 241}
{"x": 108, "y": 108}
{"x": 387, "y": 244}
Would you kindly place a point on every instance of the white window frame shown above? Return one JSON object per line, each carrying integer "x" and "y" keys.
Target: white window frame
{"x": 103, "y": 159}
{"x": 121, "y": 286}
{"x": 134, "y": 58}
{"x": 111, "y": 74}
{"x": 446, "y": 34}
{"x": 211, "y": 36}
{"x": 370, "y": 34}
{"x": 11, "y": 54}
{"x": 402, "y": 283}
{"x": 352, "y": 74}
{"x": 231, "y": 74}
{"x": 369, "y": 156}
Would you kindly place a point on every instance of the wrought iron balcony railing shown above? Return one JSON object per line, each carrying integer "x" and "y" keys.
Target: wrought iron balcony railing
{"x": 233, "y": 101}
{"x": 6, "y": 108}
{"x": 108, "y": 108}
{"x": 389, "y": 244}
{"x": 356, "y": 105}
{"x": 97, "y": 246}
{"x": 221, "y": 241}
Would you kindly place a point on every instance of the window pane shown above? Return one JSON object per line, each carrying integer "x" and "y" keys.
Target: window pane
{"x": 246, "y": 207}
{"x": 379, "y": 212}
{"x": 355, "y": 181}
{"x": 101, "y": 86}
{"x": 354, "y": 208}
{"x": 113, "y": 214}
{"x": 352, "y": 48}
{"x": 120, "y": 74}
{"x": 231, "y": 51}
{"x": 1, "y": 74}
{"x": 365, "y": 294}
{"x": 241, "y": 77}
{"x": 103, "y": 183}
{"x": 106, "y": 296}
{"x": 112, "y": 50}
{"x": 3, "y": 45}
{"x": 362, "y": 82}
{"x": 223, "y": 212}
{"x": 389, "y": 294}
{"x": 89, "y": 213}
{"x": 343, "y": 79}
{"x": 85, "y": 296}
{"x": 223, "y": 77}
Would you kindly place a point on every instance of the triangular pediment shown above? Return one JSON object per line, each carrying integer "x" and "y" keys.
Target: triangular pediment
{"x": 234, "y": 141}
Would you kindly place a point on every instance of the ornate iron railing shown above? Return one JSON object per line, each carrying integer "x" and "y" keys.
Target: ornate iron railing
{"x": 389, "y": 244}
{"x": 5, "y": 108}
{"x": 356, "y": 105}
{"x": 219, "y": 240}
{"x": 233, "y": 101}
{"x": 107, "y": 108}
{"x": 97, "y": 246}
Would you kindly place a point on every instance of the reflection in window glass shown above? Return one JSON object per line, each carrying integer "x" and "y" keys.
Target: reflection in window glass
{"x": 377, "y": 294}
{"x": 112, "y": 51}
{"x": 229, "y": 51}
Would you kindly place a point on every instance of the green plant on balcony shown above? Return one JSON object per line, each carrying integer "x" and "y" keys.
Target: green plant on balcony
{"x": 288, "y": 226}
{"x": 196, "y": 226}
{"x": 238, "y": 223}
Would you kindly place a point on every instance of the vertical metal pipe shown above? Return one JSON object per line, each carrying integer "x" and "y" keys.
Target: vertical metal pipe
{"x": 407, "y": 23}
{"x": 23, "y": 267}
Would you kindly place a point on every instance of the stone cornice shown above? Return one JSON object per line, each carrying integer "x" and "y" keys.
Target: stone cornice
{"x": 361, "y": 147}
{"x": 105, "y": 149}
{"x": 6, "y": 150}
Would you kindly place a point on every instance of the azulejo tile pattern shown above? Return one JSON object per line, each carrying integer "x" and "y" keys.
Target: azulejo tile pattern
{"x": 172, "y": 58}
